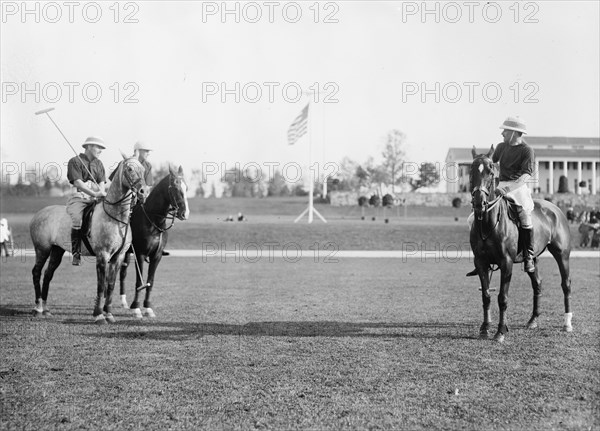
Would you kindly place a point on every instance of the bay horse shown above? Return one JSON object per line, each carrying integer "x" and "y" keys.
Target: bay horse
{"x": 494, "y": 240}
{"x": 109, "y": 237}
{"x": 150, "y": 224}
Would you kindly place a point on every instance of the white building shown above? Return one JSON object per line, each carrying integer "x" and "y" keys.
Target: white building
{"x": 578, "y": 159}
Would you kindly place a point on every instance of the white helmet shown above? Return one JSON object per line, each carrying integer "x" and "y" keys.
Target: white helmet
{"x": 140, "y": 145}
{"x": 515, "y": 124}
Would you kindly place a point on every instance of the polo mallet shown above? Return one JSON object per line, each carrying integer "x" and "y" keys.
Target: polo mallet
{"x": 47, "y": 112}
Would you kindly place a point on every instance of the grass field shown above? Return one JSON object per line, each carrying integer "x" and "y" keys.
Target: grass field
{"x": 359, "y": 343}
{"x": 271, "y": 221}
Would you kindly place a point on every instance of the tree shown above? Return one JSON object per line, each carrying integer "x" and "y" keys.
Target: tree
{"x": 277, "y": 185}
{"x": 428, "y": 176}
{"x": 563, "y": 184}
{"x": 393, "y": 155}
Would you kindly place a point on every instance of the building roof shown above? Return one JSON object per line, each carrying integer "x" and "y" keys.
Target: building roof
{"x": 577, "y": 148}
{"x": 562, "y": 141}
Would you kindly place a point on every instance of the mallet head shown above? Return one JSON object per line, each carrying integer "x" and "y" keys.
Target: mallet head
{"x": 43, "y": 111}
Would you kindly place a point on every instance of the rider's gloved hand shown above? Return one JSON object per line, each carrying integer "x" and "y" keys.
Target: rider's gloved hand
{"x": 502, "y": 191}
{"x": 100, "y": 194}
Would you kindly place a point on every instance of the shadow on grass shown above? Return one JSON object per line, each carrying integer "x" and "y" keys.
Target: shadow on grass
{"x": 173, "y": 331}
{"x": 25, "y": 310}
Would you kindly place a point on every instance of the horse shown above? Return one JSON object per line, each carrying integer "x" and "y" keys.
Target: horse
{"x": 494, "y": 240}
{"x": 109, "y": 238}
{"x": 150, "y": 233}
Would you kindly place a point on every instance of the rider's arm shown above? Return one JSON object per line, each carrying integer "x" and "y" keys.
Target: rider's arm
{"x": 85, "y": 189}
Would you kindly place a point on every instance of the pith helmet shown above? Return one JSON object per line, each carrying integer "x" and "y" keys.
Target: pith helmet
{"x": 139, "y": 145}
{"x": 94, "y": 140}
{"x": 514, "y": 123}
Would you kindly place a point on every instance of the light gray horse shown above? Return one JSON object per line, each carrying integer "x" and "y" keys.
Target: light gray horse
{"x": 110, "y": 237}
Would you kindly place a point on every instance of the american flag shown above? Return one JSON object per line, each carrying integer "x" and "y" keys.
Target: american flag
{"x": 298, "y": 127}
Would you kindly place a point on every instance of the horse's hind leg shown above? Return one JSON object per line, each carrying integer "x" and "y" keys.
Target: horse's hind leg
{"x": 56, "y": 255}
{"x": 149, "y": 284}
{"x": 111, "y": 278}
{"x": 562, "y": 259}
{"x": 122, "y": 277}
{"x": 536, "y": 284}
{"x": 484, "y": 278}
{"x": 101, "y": 272}
{"x": 41, "y": 256}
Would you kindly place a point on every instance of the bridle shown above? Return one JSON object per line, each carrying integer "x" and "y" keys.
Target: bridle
{"x": 171, "y": 212}
{"x": 133, "y": 189}
{"x": 485, "y": 205}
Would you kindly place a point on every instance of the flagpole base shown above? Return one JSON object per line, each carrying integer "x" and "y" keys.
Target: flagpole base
{"x": 310, "y": 211}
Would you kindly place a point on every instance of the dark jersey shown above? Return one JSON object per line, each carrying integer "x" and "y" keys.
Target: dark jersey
{"x": 515, "y": 160}
{"x": 77, "y": 171}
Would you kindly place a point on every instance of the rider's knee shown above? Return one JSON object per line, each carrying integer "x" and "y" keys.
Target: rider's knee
{"x": 526, "y": 219}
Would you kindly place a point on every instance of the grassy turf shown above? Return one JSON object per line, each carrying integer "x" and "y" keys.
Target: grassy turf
{"x": 356, "y": 344}
{"x": 270, "y": 226}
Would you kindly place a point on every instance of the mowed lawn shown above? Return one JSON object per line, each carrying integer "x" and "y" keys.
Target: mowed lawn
{"x": 361, "y": 343}
{"x": 270, "y": 225}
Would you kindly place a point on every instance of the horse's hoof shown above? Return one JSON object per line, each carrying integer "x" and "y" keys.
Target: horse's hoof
{"x": 567, "y": 328}
{"x": 532, "y": 324}
{"x": 124, "y": 304}
{"x": 47, "y": 313}
{"x": 37, "y": 313}
{"x": 499, "y": 337}
{"x": 110, "y": 318}
{"x": 137, "y": 313}
{"x": 149, "y": 313}
{"x": 484, "y": 335}
{"x": 100, "y": 320}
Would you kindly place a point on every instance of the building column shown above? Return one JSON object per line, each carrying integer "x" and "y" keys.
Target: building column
{"x": 594, "y": 185}
{"x": 551, "y": 176}
{"x": 578, "y": 191}
{"x": 536, "y": 175}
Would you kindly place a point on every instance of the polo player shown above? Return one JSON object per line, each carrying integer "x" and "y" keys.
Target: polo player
{"x": 86, "y": 173}
{"x": 516, "y": 160}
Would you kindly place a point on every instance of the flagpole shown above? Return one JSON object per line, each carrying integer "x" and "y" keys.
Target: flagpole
{"x": 311, "y": 208}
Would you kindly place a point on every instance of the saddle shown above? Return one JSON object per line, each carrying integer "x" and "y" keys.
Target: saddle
{"x": 86, "y": 226}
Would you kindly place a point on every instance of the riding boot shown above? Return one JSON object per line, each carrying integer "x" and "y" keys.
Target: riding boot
{"x": 76, "y": 246}
{"x": 528, "y": 252}
{"x": 472, "y": 273}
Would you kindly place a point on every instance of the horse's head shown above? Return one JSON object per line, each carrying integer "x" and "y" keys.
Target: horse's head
{"x": 178, "y": 193}
{"x": 481, "y": 181}
{"x": 132, "y": 177}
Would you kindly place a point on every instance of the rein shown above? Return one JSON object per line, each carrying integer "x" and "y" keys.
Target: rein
{"x": 173, "y": 207}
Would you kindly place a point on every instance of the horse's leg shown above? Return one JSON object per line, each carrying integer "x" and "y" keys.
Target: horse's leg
{"x": 484, "y": 278}
{"x": 135, "y": 305}
{"x": 562, "y": 259}
{"x": 56, "y": 255}
{"x": 536, "y": 284}
{"x": 150, "y": 283}
{"x": 40, "y": 260}
{"x": 111, "y": 279}
{"x": 122, "y": 277}
{"x": 506, "y": 275}
{"x": 101, "y": 272}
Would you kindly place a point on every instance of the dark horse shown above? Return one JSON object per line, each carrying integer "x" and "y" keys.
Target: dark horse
{"x": 495, "y": 241}
{"x": 109, "y": 237}
{"x": 150, "y": 233}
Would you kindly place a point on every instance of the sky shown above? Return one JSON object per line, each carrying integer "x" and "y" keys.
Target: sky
{"x": 444, "y": 73}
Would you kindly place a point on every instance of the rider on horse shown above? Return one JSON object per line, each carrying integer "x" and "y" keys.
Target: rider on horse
{"x": 516, "y": 160}
{"x": 86, "y": 173}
